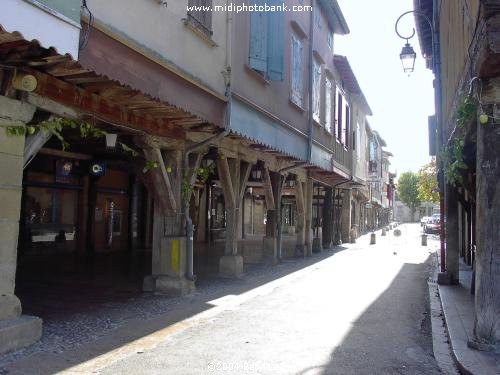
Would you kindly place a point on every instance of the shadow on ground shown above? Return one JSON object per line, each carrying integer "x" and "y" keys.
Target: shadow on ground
{"x": 100, "y": 312}
{"x": 393, "y": 335}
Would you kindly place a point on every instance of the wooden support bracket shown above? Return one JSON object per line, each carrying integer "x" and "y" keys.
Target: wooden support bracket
{"x": 268, "y": 189}
{"x": 171, "y": 197}
{"x": 226, "y": 181}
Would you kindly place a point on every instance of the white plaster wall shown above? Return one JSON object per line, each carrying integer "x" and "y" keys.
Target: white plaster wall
{"x": 159, "y": 33}
{"x": 34, "y": 23}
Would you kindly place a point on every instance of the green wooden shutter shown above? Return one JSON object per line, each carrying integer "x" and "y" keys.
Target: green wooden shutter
{"x": 258, "y": 39}
{"x": 275, "y": 43}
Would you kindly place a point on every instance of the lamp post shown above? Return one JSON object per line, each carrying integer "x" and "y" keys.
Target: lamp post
{"x": 408, "y": 57}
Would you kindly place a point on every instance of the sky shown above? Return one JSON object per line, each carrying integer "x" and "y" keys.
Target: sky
{"x": 400, "y": 103}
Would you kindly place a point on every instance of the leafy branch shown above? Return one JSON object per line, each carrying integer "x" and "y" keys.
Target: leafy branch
{"x": 87, "y": 130}
{"x": 453, "y": 155}
{"x": 202, "y": 174}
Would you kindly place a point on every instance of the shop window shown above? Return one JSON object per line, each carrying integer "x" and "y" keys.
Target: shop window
{"x": 50, "y": 217}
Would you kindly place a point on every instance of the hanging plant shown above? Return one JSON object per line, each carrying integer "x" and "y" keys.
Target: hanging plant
{"x": 453, "y": 155}
{"x": 87, "y": 130}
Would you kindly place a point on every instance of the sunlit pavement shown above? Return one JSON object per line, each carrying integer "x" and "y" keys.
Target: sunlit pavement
{"x": 362, "y": 310}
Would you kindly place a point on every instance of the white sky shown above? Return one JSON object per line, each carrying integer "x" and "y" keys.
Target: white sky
{"x": 400, "y": 104}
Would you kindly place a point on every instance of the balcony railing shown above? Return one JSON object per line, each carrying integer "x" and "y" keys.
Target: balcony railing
{"x": 341, "y": 156}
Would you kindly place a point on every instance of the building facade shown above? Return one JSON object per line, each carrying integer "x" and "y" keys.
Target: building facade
{"x": 468, "y": 135}
{"x": 194, "y": 143}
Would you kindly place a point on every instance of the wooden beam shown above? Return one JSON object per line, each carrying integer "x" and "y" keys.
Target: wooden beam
{"x": 193, "y": 168}
{"x": 268, "y": 189}
{"x": 244, "y": 175}
{"x": 300, "y": 198}
{"x": 166, "y": 179}
{"x": 226, "y": 181}
{"x": 65, "y": 154}
{"x": 109, "y": 111}
{"x": 49, "y": 105}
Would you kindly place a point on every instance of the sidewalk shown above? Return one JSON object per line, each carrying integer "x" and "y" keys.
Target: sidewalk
{"x": 458, "y": 308}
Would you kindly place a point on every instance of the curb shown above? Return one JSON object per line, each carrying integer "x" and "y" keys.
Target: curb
{"x": 441, "y": 343}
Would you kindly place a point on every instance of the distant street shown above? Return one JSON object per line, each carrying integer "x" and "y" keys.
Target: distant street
{"x": 361, "y": 311}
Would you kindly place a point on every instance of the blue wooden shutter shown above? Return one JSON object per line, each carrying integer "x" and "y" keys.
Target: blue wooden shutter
{"x": 258, "y": 39}
{"x": 275, "y": 42}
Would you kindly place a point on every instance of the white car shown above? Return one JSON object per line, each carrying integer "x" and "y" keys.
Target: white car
{"x": 424, "y": 220}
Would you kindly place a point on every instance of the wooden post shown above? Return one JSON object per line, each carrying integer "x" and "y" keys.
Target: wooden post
{"x": 328, "y": 218}
{"x": 452, "y": 234}
{"x": 300, "y": 201}
{"x": 308, "y": 216}
{"x": 346, "y": 215}
{"x": 228, "y": 175}
{"x": 487, "y": 317}
{"x": 233, "y": 176}
{"x": 83, "y": 215}
{"x": 169, "y": 250}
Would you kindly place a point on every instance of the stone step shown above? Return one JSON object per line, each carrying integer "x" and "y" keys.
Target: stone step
{"x": 18, "y": 332}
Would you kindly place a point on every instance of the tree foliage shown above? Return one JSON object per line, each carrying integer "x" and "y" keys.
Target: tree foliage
{"x": 408, "y": 191}
{"x": 428, "y": 183}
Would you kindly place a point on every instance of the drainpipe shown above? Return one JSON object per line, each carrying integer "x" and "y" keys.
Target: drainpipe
{"x": 436, "y": 58}
{"x": 310, "y": 86}
{"x": 212, "y": 140}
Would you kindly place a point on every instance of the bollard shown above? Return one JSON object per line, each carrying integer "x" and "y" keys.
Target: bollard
{"x": 397, "y": 232}
{"x": 383, "y": 232}
{"x": 373, "y": 239}
{"x": 352, "y": 236}
{"x": 424, "y": 240}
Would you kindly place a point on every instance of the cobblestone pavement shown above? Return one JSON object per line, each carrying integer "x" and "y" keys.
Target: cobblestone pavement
{"x": 61, "y": 333}
{"x": 358, "y": 310}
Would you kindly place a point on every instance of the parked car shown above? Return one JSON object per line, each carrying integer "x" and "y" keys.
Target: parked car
{"x": 433, "y": 226}
{"x": 424, "y": 220}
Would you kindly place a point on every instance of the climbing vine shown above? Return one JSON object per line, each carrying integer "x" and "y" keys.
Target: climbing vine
{"x": 202, "y": 173}
{"x": 56, "y": 127}
{"x": 453, "y": 154}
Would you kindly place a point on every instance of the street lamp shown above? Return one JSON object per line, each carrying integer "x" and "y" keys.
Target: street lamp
{"x": 408, "y": 57}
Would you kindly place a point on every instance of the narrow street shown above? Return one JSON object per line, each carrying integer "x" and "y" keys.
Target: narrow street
{"x": 362, "y": 310}
{"x": 359, "y": 310}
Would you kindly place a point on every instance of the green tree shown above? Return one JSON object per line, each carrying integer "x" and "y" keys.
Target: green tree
{"x": 427, "y": 183}
{"x": 408, "y": 191}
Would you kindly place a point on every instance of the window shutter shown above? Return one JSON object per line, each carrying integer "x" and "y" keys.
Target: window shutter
{"x": 258, "y": 39}
{"x": 340, "y": 110}
{"x": 201, "y": 17}
{"x": 296, "y": 74}
{"x": 316, "y": 91}
{"x": 345, "y": 130}
{"x": 328, "y": 105}
{"x": 275, "y": 43}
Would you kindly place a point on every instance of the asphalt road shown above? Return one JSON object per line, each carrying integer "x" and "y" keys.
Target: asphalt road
{"x": 363, "y": 310}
